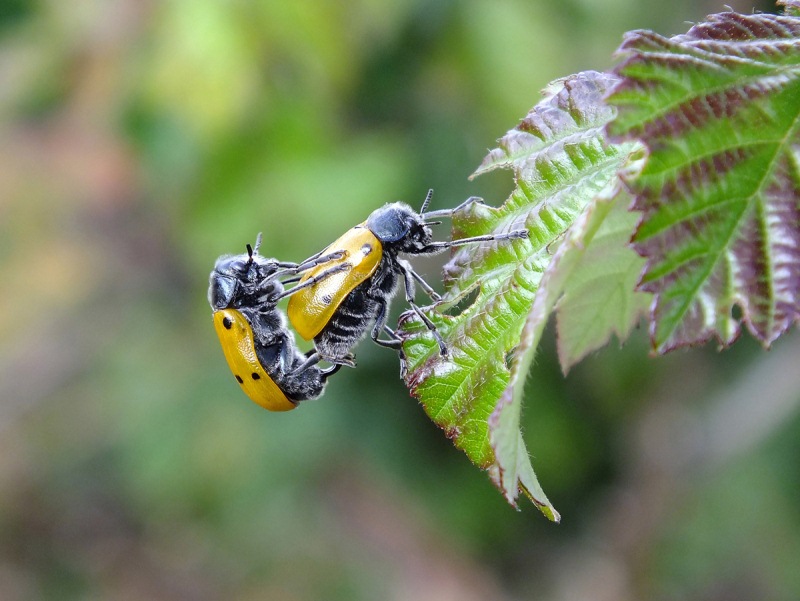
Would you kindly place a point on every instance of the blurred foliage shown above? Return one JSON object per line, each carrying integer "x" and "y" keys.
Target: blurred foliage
{"x": 140, "y": 139}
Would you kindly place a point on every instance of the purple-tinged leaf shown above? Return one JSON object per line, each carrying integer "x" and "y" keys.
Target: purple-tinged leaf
{"x": 791, "y": 7}
{"x": 719, "y": 111}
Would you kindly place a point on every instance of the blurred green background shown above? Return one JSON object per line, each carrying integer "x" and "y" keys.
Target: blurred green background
{"x": 139, "y": 140}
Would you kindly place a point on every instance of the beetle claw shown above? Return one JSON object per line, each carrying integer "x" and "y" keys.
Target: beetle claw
{"x": 349, "y": 360}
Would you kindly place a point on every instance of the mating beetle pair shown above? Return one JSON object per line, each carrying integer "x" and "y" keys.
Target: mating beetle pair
{"x": 344, "y": 292}
{"x": 243, "y": 292}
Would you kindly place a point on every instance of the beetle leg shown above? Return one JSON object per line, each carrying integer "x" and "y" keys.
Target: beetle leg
{"x": 380, "y": 326}
{"x": 403, "y": 366}
{"x": 319, "y": 259}
{"x": 269, "y": 291}
{"x": 408, "y": 278}
{"x": 295, "y": 268}
{"x": 394, "y": 341}
{"x": 314, "y": 279}
{"x": 435, "y": 247}
{"x": 329, "y": 371}
{"x": 286, "y": 265}
{"x": 425, "y": 285}
{"x": 312, "y": 358}
{"x": 349, "y": 360}
{"x": 449, "y": 212}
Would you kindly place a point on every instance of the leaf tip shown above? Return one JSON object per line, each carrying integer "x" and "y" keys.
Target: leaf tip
{"x": 790, "y": 7}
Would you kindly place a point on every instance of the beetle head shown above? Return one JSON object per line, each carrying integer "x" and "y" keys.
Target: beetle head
{"x": 399, "y": 226}
{"x": 237, "y": 279}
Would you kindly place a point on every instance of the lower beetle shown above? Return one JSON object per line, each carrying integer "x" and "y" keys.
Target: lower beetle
{"x": 260, "y": 351}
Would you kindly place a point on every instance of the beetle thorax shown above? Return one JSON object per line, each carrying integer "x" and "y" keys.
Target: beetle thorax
{"x": 242, "y": 279}
{"x": 399, "y": 228}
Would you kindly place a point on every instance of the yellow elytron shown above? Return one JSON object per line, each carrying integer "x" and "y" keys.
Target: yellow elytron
{"x": 310, "y": 309}
{"x": 238, "y": 345}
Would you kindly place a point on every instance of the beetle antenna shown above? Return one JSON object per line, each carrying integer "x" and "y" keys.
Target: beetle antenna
{"x": 253, "y": 250}
{"x": 434, "y": 222}
{"x": 427, "y": 201}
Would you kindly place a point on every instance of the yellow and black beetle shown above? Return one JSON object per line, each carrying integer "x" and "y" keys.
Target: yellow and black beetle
{"x": 335, "y": 307}
{"x": 243, "y": 292}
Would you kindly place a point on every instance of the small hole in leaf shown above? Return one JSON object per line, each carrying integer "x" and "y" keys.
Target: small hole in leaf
{"x": 463, "y": 304}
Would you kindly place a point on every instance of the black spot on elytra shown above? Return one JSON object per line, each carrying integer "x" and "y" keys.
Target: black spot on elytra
{"x": 239, "y": 379}
{"x": 327, "y": 299}
{"x": 255, "y": 376}
{"x": 226, "y": 321}
{"x": 366, "y": 249}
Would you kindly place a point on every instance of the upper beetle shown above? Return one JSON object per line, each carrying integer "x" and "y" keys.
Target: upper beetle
{"x": 337, "y": 303}
{"x": 243, "y": 293}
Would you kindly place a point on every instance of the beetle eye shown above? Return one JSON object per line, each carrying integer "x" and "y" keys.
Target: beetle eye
{"x": 221, "y": 291}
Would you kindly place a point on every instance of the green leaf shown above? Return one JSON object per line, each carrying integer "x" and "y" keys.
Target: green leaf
{"x": 792, "y": 7}
{"x": 592, "y": 278}
{"x": 561, "y": 162}
{"x": 719, "y": 110}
